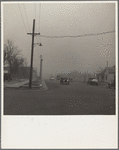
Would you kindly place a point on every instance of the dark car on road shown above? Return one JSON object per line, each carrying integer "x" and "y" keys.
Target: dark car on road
{"x": 64, "y": 80}
{"x": 7, "y": 77}
{"x": 92, "y": 81}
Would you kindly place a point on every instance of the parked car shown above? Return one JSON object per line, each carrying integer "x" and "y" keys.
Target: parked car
{"x": 64, "y": 80}
{"x": 7, "y": 77}
{"x": 111, "y": 84}
{"x": 92, "y": 81}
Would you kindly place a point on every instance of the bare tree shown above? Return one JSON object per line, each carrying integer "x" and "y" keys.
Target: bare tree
{"x": 13, "y": 56}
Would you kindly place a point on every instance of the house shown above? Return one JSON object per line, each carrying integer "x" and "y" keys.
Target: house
{"x": 107, "y": 74}
{"x": 100, "y": 76}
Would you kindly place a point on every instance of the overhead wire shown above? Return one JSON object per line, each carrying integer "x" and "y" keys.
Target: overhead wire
{"x": 38, "y": 38}
{"x": 45, "y": 36}
{"x": 26, "y": 16}
{"x": 35, "y": 10}
{"x": 22, "y": 18}
{"x": 35, "y": 20}
{"x": 39, "y": 18}
{"x": 77, "y": 36}
{"x": 39, "y": 14}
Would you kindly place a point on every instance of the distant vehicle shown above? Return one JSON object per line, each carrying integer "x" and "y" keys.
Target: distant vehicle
{"x": 92, "y": 81}
{"x": 111, "y": 84}
{"x": 64, "y": 80}
{"x": 7, "y": 77}
{"x": 52, "y": 79}
{"x": 70, "y": 79}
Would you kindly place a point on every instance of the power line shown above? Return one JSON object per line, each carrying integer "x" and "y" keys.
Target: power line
{"x": 39, "y": 15}
{"x": 77, "y": 36}
{"x": 22, "y": 18}
{"x": 39, "y": 18}
{"x": 26, "y": 17}
{"x": 35, "y": 19}
{"x": 38, "y": 38}
{"x": 34, "y": 11}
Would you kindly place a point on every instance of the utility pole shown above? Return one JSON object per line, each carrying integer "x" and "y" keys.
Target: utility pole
{"x": 41, "y": 60}
{"x": 32, "y": 46}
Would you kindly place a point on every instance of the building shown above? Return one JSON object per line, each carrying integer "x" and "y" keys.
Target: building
{"x": 107, "y": 74}
{"x": 22, "y": 73}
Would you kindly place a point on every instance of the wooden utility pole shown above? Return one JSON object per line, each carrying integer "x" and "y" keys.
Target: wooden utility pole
{"x": 32, "y": 46}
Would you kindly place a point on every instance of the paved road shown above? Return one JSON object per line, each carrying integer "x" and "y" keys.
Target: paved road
{"x": 75, "y": 99}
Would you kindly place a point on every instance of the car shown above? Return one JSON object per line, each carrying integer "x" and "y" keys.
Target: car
{"x": 52, "y": 79}
{"x": 64, "y": 80}
{"x": 7, "y": 77}
{"x": 92, "y": 81}
{"x": 111, "y": 84}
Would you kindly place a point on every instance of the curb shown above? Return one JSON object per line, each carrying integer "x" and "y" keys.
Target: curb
{"x": 45, "y": 86}
{"x": 26, "y": 87}
{"x": 16, "y": 85}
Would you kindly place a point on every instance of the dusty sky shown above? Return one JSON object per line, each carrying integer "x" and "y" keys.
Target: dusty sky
{"x": 63, "y": 19}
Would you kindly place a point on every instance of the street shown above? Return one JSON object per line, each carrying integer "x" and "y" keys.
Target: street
{"x": 78, "y": 98}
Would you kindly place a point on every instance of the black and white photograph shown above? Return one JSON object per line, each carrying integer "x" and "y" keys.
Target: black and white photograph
{"x": 59, "y": 59}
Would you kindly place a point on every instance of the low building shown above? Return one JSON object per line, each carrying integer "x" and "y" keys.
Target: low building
{"x": 22, "y": 72}
{"x": 107, "y": 74}
{"x": 100, "y": 76}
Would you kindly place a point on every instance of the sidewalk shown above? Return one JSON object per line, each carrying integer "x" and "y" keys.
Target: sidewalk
{"x": 39, "y": 86}
{"x": 16, "y": 85}
{"x": 25, "y": 85}
{"x": 44, "y": 85}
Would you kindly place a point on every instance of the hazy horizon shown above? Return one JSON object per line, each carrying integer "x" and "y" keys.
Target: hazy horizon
{"x": 86, "y": 53}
